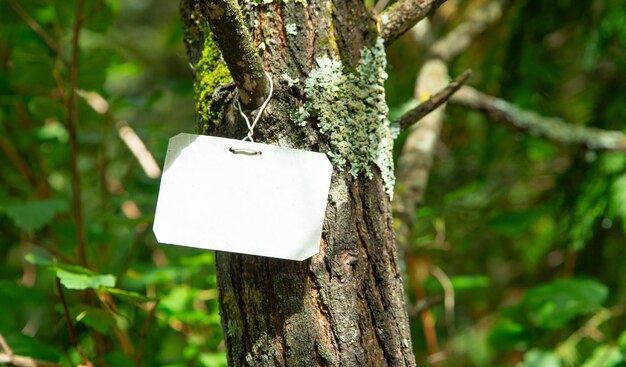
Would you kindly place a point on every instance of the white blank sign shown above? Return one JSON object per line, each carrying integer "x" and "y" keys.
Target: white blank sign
{"x": 220, "y": 194}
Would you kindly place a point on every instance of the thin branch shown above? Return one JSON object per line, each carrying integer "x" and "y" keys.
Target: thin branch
{"x": 144, "y": 334}
{"x": 94, "y": 9}
{"x": 32, "y": 23}
{"x": 5, "y": 347}
{"x": 588, "y": 329}
{"x": 240, "y": 55}
{"x": 9, "y": 358}
{"x": 426, "y": 107}
{"x": 403, "y": 15}
{"x": 461, "y": 37}
{"x": 72, "y": 120}
{"x": 70, "y": 326}
{"x": 424, "y": 304}
{"x": 551, "y": 128}
{"x": 20, "y": 164}
{"x": 23, "y": 361}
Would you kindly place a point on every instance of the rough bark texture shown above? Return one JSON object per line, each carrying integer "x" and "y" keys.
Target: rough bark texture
{"x": 345, "y": 306}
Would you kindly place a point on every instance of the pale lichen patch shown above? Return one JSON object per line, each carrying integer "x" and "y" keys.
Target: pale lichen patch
{"x": 350, "y": 108}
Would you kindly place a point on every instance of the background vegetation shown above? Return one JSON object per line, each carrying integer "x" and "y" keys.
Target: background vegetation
{"x": 529, "y": 233}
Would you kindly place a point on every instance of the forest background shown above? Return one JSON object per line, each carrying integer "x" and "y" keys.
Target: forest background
{"x": 516, "y": 256}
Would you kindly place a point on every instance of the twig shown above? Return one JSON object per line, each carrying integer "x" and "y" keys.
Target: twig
{"x": 144, "y": 334}
{"x": 403, "y": 15}
{"x": 20, "y": 164}
{"x": 72, "y": 120}
{"x": 424, "y": 304}
{"x": 551, "y": 128}
{"x": 94, "y": 9}
{"x": 417, "y": 270}
{"x": 32, "y": 23}
{"x": 8, "y": 357}
{"x": 70, "y": 326}
{"x": 449, "y": 297}
{"x": 426, "y": 107}
{"x": 588, "y": 329}
{"x": 460, "y": 38}
{"x": 240, "y": 55}
{"x": 22, "y": 361}
{"x": 5, "y": 347}
{"x": 417, "y": 153}
{"x": 414, "y": 165}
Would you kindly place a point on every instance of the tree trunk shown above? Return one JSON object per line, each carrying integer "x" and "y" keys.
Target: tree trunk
{"x": 344, "y": 306}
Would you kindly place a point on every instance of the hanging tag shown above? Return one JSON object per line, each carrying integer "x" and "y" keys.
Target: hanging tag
{"x": 250, "y": 198}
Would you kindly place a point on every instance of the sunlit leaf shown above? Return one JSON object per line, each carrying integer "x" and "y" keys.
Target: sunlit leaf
{"x": 212, "y": 360}
{"x": 39, "y": 256}
{"x": 605, "y": 356}
{"x": 540, "y": 358}
{"x": 84, "y": 281}
{"x": 53, "y": 130}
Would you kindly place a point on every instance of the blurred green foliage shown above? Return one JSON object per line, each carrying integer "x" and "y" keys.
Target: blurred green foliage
{"x": 134, "y": 303}
{"x": 544, "y": 223}
{"x": 531, "y": 234}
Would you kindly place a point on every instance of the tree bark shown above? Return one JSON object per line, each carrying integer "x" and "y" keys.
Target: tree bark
{"x": 344, "y": 306}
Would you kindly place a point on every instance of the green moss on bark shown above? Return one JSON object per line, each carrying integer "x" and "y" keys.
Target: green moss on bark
{"x": 211, "y": 71}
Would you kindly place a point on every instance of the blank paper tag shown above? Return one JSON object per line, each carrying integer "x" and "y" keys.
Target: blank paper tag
{"x": 269, "y": 204}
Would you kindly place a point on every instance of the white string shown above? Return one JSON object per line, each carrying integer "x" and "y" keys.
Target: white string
{"x": 258, "y": 115}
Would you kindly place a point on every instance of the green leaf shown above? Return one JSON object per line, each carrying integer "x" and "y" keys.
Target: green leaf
{"x": 513, "y": 223}
{"x": 540, "y": 358}
{"x": 33, "y": 68}
{"x": 39, "y": 256}
{"x": 212, "y": 360}
{"x": 605, "y": 356}
{"x": 118, "y": 359}
{"x": 507, "y": 334}
{"x": 30, "y": 347}
{"x": 553, "y": 305}
{"x": 54, "y": 130}
{"x": 129, "y": 296}
{"x": 84, "y": 281}
{"x": 466, "y": 282}
{"x": 34, "y": 215}
{"x": 94, "y": 318}
{"x": 91, "y": 75}
{"x": 45, "y": 108}
{"x": 618, "y": 193}
{"x": 11, "y": 290}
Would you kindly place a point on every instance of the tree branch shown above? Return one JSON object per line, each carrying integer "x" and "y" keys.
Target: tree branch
{"x": 240, "y": 55}
{"x": 71, "y": 105}
{"x": 426, "y": 107}
{"x": 551, "y": 128}
{"x": 32, "y": 23}
{"x": 460, "y": 38}
{"x": 403, "y": 15}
